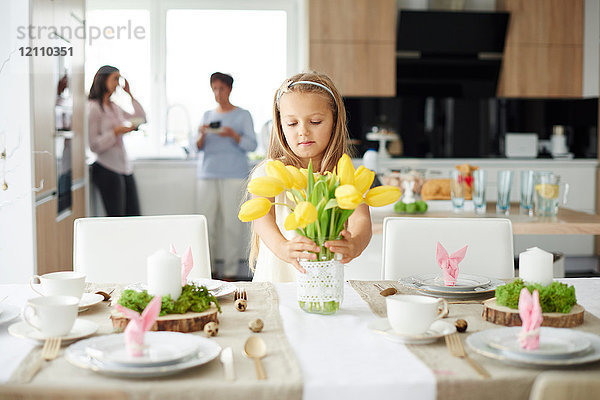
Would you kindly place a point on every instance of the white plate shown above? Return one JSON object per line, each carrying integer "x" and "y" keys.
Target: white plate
{"x": 76, "y": 354}
{"x": 223, "y": 289}
{"x": 90, "y": 299}
{"x": 81, "y": 328}
{"x": 479, "y": 342}
{"x": 160, "y": 348}
{"x": 452, "y": 294}
{"x": 437, "y": 330}
{"x": 8, "y": 313}
{"x": 464, "y": 282}
{"x": 211, "y": 284}
{"x": 554, "y": 343}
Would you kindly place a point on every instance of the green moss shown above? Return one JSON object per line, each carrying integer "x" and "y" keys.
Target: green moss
{"x": 556, "y": 297}
{"x": 193, "y": 298}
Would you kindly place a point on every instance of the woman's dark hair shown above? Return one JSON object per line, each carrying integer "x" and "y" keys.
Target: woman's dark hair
{"x": 225, "y": 78}
{"x": 98, "y": 88}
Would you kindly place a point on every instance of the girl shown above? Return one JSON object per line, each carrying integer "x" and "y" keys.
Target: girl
{"x": 112, "y": 173}
{"x": 309, "y": 123}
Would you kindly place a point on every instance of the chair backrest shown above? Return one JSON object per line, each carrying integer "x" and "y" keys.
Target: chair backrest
{"x": 409, "y": 245}
{"x": 115, "y": 249}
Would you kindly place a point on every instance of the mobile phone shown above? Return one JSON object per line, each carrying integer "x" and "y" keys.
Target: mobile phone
{"x": 215, "y": 124}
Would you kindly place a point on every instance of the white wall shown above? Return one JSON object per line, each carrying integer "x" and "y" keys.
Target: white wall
{"x": 17, "y": 246}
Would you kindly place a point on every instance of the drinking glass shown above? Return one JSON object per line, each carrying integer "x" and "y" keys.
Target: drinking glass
{"x": 457, "y": 190}
{"x": 527, "y": 192}
{"x": 546, "y": 186}
{"x": 479, "y": 182}
{"x": 504, "y": 184}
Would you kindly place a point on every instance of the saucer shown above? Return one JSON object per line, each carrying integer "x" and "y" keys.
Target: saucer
{"x": 8, "y": 313}
{"x": 437, "y": 330}
{"x": 81, "y": 328}
{"x": 90, "y": 299}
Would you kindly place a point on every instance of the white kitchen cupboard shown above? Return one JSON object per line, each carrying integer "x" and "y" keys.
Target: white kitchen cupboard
{"x": 354, "y": 42}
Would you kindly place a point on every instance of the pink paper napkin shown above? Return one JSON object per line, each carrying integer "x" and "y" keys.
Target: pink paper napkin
{"x": 187, "y": 263}
{"x": 531, "y": 316}
{"x": 449, "y": 264}
{"x": 139, "y": 324}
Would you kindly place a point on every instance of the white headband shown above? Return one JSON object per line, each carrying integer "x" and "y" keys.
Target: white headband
{"x": 307, "y": 83}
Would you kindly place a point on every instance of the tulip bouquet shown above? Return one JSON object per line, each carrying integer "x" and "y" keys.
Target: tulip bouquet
{"x": 320, "y": 205}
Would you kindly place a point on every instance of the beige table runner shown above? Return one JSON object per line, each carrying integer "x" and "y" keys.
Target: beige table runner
{"x": 203, "y": 382}
{"x": 455, "y": 379}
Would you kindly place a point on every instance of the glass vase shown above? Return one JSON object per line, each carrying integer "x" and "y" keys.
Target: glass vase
{"x": 321, "y": 289}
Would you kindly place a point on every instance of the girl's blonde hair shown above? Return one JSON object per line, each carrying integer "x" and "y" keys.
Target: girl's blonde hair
{"x": 280, "y": 150}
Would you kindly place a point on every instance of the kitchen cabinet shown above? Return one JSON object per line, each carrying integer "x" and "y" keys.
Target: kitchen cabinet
{"x": 354, "y": 42}
{"x": 543, "y": 56}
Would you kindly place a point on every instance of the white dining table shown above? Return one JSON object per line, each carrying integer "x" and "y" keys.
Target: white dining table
{"x": 339, "y": 356}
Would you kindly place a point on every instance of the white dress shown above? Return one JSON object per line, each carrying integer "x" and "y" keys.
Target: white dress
{"x": 270, "y": 268}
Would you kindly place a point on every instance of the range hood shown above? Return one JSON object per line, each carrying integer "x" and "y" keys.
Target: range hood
{"x": 449, "y": 54}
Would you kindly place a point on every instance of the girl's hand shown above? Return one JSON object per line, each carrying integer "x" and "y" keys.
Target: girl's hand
{"x": 297, "y": 248}
{"x": 126, "y": 87}
{"x": 345, "y": 246}
{"x": 202, "y": 129}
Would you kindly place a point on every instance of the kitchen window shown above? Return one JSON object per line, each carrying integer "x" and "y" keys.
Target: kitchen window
{"x": 259, "y": 43}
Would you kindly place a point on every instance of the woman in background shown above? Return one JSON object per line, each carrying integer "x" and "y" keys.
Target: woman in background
{"x": 225, "y": 137}
{"x": 112, "y": 173}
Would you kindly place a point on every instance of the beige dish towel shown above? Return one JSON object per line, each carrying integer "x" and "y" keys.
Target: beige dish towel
{"x": 206, "y": 381}
{"x": 455, "y": 379}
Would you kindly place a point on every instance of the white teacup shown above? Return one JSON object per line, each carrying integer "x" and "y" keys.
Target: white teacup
{"x": 413, "y": 315}
{"x": 51, "y": 315}
{"x": 65, "y": 283}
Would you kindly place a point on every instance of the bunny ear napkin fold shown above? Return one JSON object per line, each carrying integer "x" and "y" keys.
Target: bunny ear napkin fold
{"x": 449, "y": 263}
{"x": 530, "y": 312}
{"x": 187, "y": 263}
{"x": 139, "y": 324}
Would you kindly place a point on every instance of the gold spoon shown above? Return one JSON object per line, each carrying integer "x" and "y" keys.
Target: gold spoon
{"x": 256, "y": 349}
{"x": 385, "y": 292}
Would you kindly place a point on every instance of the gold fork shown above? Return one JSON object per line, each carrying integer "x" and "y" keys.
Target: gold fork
{"x": 240, "y": 294}
{"x": 49, "y": 352}
{"x": 457, "y": 349}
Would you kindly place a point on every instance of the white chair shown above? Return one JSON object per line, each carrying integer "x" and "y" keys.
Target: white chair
{"x": 409, "y": 245}
{"x": 114, "y": 249}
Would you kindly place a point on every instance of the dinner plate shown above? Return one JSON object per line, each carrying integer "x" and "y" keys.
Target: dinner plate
{"x": 479, "y": 342}
{"x": 481, "y": 291}
{"x": 554, "y": 342}
{"x": 76, "y": 354}
{"x": 437, "y": 330}
{"x": 221, "y": 288}
{"x": 210, "y": 284}
{"x": 160, "y": 348}
{"x": 81, "y": 328}
{"x": 8, "y": 313}
{"x": 90, "y": 299}
{"x": 464, "y": 282}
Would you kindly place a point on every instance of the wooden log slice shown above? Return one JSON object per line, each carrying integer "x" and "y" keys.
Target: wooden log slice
{"x": 503, "y": 315}
{"x": 188, "y": 322}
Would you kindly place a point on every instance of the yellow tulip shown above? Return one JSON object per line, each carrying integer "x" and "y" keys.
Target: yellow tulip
{"x": 299, "y": 179}
{"x": 254, "y": 209}
{"x": 363, "y": 178}
{"x": 345, "y": 170}
{"x": 306, "y": 213}
{"x": 266, "y": 186}
{"x": 348, "y": 197}
{"x": 276, "y": 169}
{"x": 382, "y": 195}
{"x": 290, "y": 222}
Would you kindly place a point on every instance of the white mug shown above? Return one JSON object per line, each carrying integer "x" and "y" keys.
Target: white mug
{"x": 65, "y": 283}
{"x": 412, "y": 314}
{"x": 51, "y": 315}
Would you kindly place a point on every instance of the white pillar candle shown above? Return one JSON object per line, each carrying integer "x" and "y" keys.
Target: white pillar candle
{"x": 164, "y": 274}
{"x": 535, "y": 266}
